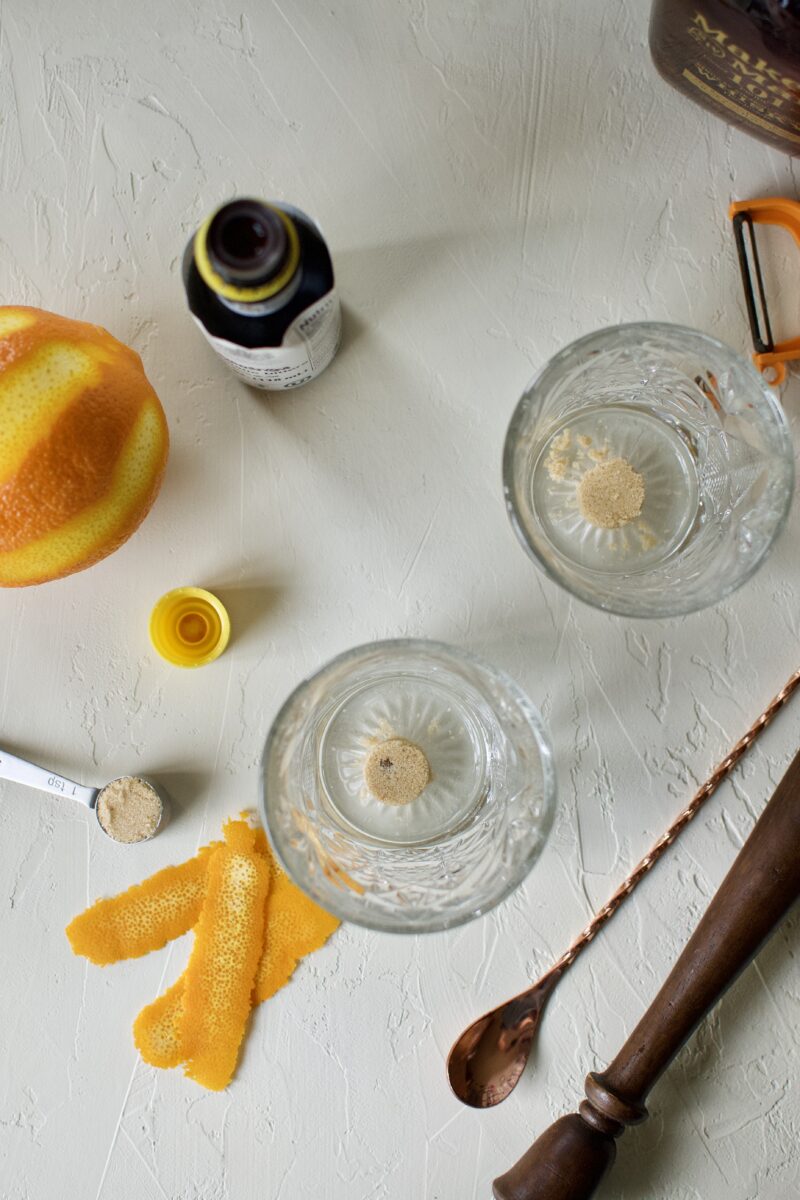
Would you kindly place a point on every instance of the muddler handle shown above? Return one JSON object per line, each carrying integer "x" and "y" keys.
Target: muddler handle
{"x": 570, "y": 1158}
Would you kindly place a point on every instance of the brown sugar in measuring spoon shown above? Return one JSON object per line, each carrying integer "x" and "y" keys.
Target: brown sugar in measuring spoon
{"x": 487, "y": 1060}
{"x": 129, "y": 809}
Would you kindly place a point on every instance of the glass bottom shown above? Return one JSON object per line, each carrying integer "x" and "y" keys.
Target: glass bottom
{"x": 467, "y": 839}
{"x": 655, "y": 449}
{"x": 703, "y": 429}
{"x": 437, "y": 719}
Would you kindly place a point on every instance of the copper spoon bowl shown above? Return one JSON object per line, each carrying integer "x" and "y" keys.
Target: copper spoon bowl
{"x": 485, "y": 1064}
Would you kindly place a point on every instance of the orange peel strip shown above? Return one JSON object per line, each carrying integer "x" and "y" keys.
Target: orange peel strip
{"x": 146, "y": 916}
{"x": 157, "y": 1029}
{"x": 218, "y": 982}
{"x": 294, "y": 926}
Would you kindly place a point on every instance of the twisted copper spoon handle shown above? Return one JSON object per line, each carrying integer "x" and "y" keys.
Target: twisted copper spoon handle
{"x": 720, "y": 772}
{"x": 568, "y": 1160}
{"x": 486, "y": 1062}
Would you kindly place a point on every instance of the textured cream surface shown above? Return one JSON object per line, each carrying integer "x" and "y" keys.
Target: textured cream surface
{"x": 495, "y": 179}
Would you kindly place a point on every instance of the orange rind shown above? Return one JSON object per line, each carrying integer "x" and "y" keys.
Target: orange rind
{"x": 252, "y": 927}
{"x": 83, "y": 445}
{"x": 157, "y": 1029}
{"x": 295, "y": 927}
{"x": 218, "y": 983}
{"x": 144, "y": 918}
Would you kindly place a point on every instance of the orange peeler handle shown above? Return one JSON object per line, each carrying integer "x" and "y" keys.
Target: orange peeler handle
{"x": 769, "y": 356}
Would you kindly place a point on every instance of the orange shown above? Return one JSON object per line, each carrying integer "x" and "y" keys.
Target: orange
{"x": 83, "y": 445}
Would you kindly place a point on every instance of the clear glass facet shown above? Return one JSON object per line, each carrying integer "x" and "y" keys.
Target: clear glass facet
{"x": 708, "y": 437}
{"x": 464, "y": 843}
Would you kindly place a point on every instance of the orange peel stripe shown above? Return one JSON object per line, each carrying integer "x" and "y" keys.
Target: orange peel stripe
{"x": 144, "y": 918}
{"x": 157, "y": 1029}
{"x": 104, "y": 524}
{"x": 34, "y": 391}
{"x": 218, "y": 983}
{"x": 295, "y": 927}
{"x": 72, "y": 465}
{"x": 253, "y": 927}
{"x": 13, "y": 320}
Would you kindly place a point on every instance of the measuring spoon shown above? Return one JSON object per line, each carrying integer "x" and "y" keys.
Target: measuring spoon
{"x": 18, "y": 770}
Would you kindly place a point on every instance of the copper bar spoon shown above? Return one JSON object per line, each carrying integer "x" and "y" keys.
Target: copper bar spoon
{"x": 486, "y": 1062}
{"x": 568, "y": 1160}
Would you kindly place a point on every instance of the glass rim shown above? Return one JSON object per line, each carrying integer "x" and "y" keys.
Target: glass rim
{"x": 521, "y": 410}
{"x": 541, "y": 737}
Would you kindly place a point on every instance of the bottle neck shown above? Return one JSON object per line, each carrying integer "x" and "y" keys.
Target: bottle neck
{"x": 263, "y": 308}
{"x": 248, "y": 253}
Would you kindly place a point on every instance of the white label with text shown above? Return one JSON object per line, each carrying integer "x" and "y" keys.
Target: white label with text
{"x": 308, "y": 346}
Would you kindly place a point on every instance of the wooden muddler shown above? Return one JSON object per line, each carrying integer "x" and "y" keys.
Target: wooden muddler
{"x": 570, "y": 1158}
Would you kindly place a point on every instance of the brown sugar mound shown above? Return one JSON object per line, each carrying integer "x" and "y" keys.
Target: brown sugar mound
{"x": 129, "y": 809}
{"x": 611, "y": 494}
{"x": 397, "y": 771}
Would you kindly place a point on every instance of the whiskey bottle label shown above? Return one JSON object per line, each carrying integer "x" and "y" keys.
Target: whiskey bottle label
{"x": 748, "y": 85}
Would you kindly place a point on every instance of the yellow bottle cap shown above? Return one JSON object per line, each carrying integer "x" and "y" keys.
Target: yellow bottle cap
{"x": 189, "y": 627}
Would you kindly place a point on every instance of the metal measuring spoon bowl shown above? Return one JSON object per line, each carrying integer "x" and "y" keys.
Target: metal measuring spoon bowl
{"x": 132, "y": 809}
{"x": 114, "y": 795}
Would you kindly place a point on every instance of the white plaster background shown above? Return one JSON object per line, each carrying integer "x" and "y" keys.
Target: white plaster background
{"x": 495, "y": 178}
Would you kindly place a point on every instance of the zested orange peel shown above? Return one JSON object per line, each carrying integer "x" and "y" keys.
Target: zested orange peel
{"x": 158, "y": 1032}
{"x": 227, "y": 947}
{"x": 252, "y": 926}
{"x": 146, "y": 917}
{"x": 83, "y": 445}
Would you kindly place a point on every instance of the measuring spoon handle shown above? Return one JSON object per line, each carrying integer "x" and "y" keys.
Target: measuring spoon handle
{"x": 20, "y": 771}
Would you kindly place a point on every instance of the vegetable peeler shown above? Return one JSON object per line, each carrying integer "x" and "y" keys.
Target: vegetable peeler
{"x": 768, "y": 355}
